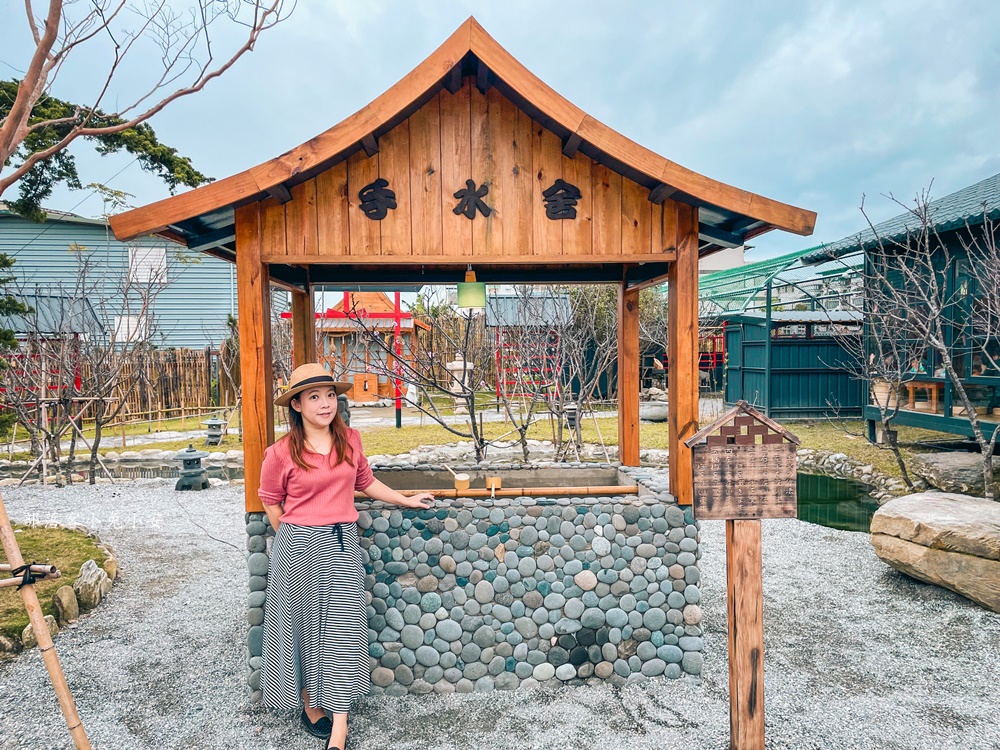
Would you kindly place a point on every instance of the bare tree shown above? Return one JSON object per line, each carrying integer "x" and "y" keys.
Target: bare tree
{"x": 906, "y": 288}
{"x": 589, "y": 351}
{"x": 530, "y": 329}
{"x": 121, "y": 31}
{"x": 455, "y": 337}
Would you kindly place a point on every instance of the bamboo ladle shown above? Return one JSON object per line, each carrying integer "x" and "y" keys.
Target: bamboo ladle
{"x": 461, "y": 480}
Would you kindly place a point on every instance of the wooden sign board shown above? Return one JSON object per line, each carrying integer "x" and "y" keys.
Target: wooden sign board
{"x": 744, "y": 481}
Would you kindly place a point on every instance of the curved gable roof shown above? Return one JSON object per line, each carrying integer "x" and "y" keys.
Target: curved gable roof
{"x": 470, "y": 48}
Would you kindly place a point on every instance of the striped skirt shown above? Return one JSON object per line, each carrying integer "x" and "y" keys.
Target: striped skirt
{"x": 315, "y": 619}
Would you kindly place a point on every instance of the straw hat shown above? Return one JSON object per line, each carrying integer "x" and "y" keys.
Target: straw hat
{"x": 309, "y": 376}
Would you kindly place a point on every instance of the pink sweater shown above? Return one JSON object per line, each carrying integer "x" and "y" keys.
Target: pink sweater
{"x": 321, "y": 496}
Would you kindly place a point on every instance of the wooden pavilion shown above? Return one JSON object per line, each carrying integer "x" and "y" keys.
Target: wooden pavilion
{"x": 470, "y": 162}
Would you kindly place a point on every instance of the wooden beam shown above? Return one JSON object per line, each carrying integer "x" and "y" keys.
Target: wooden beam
{"x": 477, "y": 261}
{"x": 202, "y": 242}
{"x": 280, "y": 193}
{"x": 571, "y": 144}
{"x": 719, "y": 237}
{"x": 254, "y": 313}
{"x": 303, "y": 328}
{"x": 682, "y": 346}
{"x": 628, "y": 375}
{"x": 370, "y": 145}
{"x": 482, "y": 77}
{"x": 660, "y": 193}
{"x": 453, "y": 81}
{"x": 745, "y": 606}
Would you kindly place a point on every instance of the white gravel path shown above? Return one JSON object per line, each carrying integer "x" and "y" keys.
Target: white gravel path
{"x": 857, "y": 656}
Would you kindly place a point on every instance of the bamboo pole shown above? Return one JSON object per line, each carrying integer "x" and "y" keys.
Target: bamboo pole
{"x": 45, "y": 645}
{"x": 10, "y": 582}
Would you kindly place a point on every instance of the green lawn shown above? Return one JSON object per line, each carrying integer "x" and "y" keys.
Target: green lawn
{"x": 64, "y": 548}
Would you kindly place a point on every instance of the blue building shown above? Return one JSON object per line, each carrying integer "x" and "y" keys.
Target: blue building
{"x": 195, "y": 292}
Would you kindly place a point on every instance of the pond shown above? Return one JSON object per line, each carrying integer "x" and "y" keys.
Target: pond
{"x": 836, "y": 503}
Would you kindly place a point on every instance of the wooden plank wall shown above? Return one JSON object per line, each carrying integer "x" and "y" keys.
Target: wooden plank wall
{"x": 427, "y": 158}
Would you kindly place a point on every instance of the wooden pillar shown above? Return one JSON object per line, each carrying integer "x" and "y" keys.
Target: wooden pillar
{"x": 628, "y": 376}
{"x": 254, "y": 312}
{"x": 680, "y": 228}
{"x": 303, "y": 328}
{"x": 745, "y": 603}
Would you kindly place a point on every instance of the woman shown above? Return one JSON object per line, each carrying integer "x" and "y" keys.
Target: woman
{"x": 315, "y": 652}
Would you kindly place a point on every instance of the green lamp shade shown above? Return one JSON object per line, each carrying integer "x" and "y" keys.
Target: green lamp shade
{"x": 471, "y": 293}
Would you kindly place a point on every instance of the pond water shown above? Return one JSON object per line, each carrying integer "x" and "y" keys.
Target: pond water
{"x": 836, "y": 503}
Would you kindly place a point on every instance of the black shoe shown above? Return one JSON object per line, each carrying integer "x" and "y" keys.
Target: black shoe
{"x": 322, "y": 727}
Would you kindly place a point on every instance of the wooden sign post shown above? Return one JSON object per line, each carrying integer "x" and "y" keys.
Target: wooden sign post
{"x": 744, "y": 470}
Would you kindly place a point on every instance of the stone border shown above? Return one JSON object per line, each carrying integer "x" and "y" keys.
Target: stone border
{"x": 842, "y": 466}
{"x": 87, "y": 592}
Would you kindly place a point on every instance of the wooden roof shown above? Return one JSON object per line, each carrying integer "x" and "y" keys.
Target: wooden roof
{"x": 203, "y": 219}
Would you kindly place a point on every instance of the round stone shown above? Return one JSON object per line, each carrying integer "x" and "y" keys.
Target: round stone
{"x": 617, "y": 618}
{"x": 477, "y": 541}
{"x": 484, "y": 592}
{"x": 604, "y": 669}
{"x": 565, "y": 626}
{"x": 382, "y": 677}
{"x": 484, "y": 637}
{"x": 592, "y": 617}
{"x": 586, "y": 580}
{"x": 412, "y": 636}
{"x": 654, "y": 667}
{"x": 600, "y": 546}
{"x": 257, "y": 563}
{"x": 558, "y": 655}
{"x": 449, "y": 630}
{"x": 427, "y": 584}
{"x": 670, "y": 654}
{"x": 676, "y": 600}
{"x": 692, "y": 594}
{"x": 430, "y": 602}
{"x": 692, "y": 662}
{"x": 526, "y": 627}
{"x": 543, "y": 672}
{"x": 565, "y": 672}
{"x": 427, "y": 655}
{"x": 654, "y": 619}
{"x": 574, "y": 609}
{"x": 527, "y": 566}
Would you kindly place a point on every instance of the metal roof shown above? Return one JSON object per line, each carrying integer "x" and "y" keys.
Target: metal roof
{"x": 969, "y": 206}
{"x": 542, "y": 310}
{"x": 53, "y": 315}
{"x": 783, "y": 317}
{"x": 743, "y": 288}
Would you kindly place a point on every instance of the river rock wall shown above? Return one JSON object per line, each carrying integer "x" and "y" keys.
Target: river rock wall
{"x": 495, "y": 595}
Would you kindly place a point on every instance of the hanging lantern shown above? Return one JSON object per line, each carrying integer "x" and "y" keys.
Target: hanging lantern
{"x": 471, "y": 293}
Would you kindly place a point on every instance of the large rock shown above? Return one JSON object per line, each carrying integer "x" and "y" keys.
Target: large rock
{"x": 28, "y": 638}
{"x": 956, "y": 471}
{"x": 92, "y": 585}
{"x": 654, "y": 411}
{"x": 946, "y": 539}
{"x": 65, "y": 604}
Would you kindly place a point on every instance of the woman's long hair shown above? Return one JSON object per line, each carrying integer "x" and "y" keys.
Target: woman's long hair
{"x": 297, "y": 440}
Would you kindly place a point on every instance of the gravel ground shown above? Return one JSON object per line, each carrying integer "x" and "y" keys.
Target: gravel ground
{"x": 857, "y": 656}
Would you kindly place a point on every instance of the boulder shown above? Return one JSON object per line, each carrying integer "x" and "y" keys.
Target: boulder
{"x": 946, "y": 539}
{"x": 28, "y": 638}
{"x": 92, "y": 585}
{"x": 654, "y": 411}
{"x": 956, "y": 471}
{"x": 65, "y": 604}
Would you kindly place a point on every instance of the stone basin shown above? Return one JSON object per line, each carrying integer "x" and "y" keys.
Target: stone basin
{"x": 480, "y": 594}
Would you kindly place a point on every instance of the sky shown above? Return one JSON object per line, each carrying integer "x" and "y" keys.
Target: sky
{"x": 816, "y": 104}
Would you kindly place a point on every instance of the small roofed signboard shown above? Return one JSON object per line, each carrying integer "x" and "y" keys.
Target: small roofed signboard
{"x": 744, "y": 467}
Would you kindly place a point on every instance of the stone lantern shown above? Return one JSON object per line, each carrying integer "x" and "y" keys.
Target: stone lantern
{"x": 458, "y": 369}
{"x": 192, "y": 473}
{"x": 214, "y": 426}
